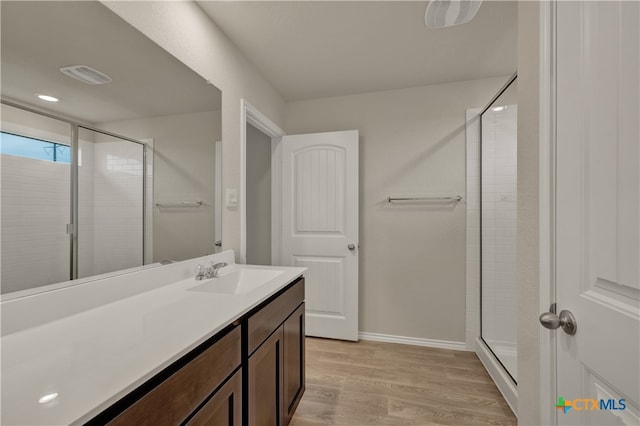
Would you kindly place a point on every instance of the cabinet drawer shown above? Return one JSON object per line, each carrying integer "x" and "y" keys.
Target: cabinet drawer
{"x": 174, "y": 399}
{"x": 266, "y": 320}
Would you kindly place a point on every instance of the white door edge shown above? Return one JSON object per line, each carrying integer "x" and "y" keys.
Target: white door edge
{"x": 251, "y": 115}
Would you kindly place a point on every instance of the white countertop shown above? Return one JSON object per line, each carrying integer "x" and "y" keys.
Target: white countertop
{"x": 93, "y": 358}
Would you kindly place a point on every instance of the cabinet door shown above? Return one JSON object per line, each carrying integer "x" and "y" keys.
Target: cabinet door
{"x": 224, "y": 408}
{"x": 266, "y": 402}
{"x": 293, "y": 361}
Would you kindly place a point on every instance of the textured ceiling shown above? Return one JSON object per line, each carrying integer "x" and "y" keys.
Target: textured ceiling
{"x": 312, "y": 49}
{"x": 40, "y": 37}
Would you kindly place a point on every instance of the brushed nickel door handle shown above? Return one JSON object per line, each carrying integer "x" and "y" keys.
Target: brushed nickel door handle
{"x": 565, "y": 319}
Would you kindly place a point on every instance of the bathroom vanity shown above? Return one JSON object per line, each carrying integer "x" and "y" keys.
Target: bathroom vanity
{"x": 223, "y": 351}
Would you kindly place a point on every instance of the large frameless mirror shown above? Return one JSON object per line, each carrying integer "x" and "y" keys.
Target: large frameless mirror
{"x": 117, "y": 173}
{"x": 499, "y": 197}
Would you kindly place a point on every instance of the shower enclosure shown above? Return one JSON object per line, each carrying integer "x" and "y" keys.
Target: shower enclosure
{"x": 73, "y": 200}
{"x": 498, "y": 227}
{"x": 491, "y": 134}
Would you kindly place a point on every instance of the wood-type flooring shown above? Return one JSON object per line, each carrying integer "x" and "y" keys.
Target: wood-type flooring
{"x": 372, "y": 383}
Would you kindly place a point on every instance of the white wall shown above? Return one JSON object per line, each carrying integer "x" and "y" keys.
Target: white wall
{"x": 185, "y": 31}
{"x": 412, "y": 257}
{"x": 184, "y": 160}
{"x": 258, "y": 197}
{"x": 473, "y": 227}
{"x": 528, "y": 213}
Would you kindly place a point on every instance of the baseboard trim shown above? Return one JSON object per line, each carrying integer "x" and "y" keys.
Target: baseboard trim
{"x": 500, "y": 377}
{"x": 431, "y": 343}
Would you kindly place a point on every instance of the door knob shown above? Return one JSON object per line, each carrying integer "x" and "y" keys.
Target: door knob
{"x": 351, "y": 247}
{"x": 566, "y": 320}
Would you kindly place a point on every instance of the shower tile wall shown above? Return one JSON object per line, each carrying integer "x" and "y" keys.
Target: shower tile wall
{"x": 35, "y": 200}
{"x": 117, "y": 202}
{"x": 86, "y": 211}
{"x": 35, "y": 210}
{"x": 499, "y": 221}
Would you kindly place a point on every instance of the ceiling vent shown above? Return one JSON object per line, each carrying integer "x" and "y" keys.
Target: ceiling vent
{"x": 86, "y": 74}
{"x": 447, "y": 13}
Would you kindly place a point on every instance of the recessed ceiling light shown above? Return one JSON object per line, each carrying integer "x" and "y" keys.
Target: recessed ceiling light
{"x": 47, "y": 98}
{"x": 496, "y": 109}
{"x": 48, "y": 398}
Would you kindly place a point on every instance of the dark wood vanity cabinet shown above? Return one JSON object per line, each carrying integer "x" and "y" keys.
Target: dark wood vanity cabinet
{"x": 293, "y": 331}
{"x": 225, "y": 406}
{"x": 275, "y": 372}
{"x": 252, "y": 373}
{"x": 201, "y": 380}
{"x": 265, "y": 374}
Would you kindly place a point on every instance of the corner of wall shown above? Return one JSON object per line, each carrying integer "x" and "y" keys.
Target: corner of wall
{"x": 209, "y": 52}
{"x": 528, "y": 217}
{"x": 473, "y": 227}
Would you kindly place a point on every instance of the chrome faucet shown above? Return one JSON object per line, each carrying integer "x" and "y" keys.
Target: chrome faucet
{"x": 203, "y": 273}
{"x": 200, "y": 273}
{"x": 212, "y": 271}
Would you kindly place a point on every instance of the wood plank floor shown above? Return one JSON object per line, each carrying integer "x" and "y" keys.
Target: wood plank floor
{"x": 371, "y": 383}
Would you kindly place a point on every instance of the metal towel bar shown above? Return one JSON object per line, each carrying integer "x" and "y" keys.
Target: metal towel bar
{"x": 457, "y": 198}
{"x": 180, "y": 204}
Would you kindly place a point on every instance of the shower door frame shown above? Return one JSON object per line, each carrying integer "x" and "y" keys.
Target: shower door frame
{"x": 503, "y": 89}
{"x": 72, "y": 227}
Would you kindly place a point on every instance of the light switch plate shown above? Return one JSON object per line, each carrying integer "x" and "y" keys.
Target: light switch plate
{"x": 231, "y": 197}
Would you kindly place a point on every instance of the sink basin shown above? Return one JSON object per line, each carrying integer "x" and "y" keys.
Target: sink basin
{"x": 237, "y": 282}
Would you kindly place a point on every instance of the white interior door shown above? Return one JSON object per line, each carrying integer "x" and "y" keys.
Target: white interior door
{"x": 320, "y": 227}
{"x": 598, "y": 211}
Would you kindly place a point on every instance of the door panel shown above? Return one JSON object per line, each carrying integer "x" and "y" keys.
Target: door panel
{"x": 325, "y": 284}
{"x": 320, "y": 222}
{"x": 598, "y": 208}
{"x": 319, "y": 190}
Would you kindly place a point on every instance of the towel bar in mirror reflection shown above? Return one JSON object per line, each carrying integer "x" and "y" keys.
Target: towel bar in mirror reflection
{"x": 456, "y": 199}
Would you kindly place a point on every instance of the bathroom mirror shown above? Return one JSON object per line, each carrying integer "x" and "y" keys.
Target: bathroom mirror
{"x": 146, "y": 129}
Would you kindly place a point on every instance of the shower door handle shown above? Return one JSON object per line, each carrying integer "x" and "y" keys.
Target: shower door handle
{"x": 565, "y": 319}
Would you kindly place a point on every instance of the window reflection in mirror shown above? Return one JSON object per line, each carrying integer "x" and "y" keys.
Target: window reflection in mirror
{"x": 145, "y": 147}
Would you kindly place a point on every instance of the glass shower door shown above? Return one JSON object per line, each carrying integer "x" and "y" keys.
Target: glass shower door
{"x": 498, "y": 228}
{"x": 36, "y": 192}
{"x": 110, "y": 203}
